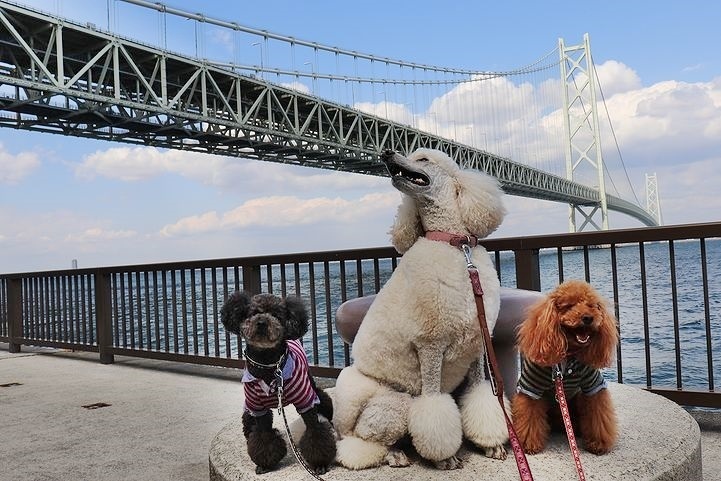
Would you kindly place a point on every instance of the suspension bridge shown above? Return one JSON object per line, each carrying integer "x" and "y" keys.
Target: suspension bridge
{"x": 303, "y": 103}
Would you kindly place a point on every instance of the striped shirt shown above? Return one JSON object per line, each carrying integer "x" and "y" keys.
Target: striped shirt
{"x": 297, "y": 389}
{"x": 538, "y": 381}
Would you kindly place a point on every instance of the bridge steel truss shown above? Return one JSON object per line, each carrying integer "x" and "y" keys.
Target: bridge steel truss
{"x": 61, "y": 77}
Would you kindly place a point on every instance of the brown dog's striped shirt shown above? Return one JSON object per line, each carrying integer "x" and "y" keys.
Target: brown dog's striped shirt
{"x": 538, "y": 381}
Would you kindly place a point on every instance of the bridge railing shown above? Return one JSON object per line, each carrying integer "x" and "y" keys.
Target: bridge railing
{"x": 665, "y": 284}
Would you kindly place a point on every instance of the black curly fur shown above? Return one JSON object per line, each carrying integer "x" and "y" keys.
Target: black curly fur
{"x": 266, "y": 446}
{"x": 297, "y": 312}
{"x": 234, "y": 311}
{"x": 317, "y": 445}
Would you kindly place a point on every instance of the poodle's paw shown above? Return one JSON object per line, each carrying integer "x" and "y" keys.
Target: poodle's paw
{"x": 266, "y": 449}
{"x": 356, "y": 453}
{"x": 396, "y": 458}
{"x": 532, "y": 447}
{"x": 320, "y": 469}
{"x": 318, "y": 446}
{"x": 597, "y": 446}
{"x": 434, "y": 424}
{"x": 484, "y": 423}
{"x": 496, "y": 452}
{"x": 454, "y": 462}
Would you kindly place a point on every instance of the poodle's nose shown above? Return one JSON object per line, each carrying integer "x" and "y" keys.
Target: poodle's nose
{"x": 261, "y": 325}
{"x": 387, "y": 155}
{"x": 587, "y": 320}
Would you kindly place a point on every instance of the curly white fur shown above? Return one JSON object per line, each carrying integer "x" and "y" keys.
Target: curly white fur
{"x": 421, "y": 334}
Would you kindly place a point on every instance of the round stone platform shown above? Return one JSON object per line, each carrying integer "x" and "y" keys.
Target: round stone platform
{"x": 658, "y": 441}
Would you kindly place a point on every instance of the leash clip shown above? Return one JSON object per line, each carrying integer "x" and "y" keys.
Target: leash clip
{"x": 557, "y": 372}
{"x": 467, "y": 254}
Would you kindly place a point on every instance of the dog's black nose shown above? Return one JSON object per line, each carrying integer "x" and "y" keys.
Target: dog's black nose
{"x": 387, "y": 155}
{"x": 587, "y": 320}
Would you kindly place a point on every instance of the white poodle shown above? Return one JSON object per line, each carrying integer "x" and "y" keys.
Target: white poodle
{"x": 421, "y": 338}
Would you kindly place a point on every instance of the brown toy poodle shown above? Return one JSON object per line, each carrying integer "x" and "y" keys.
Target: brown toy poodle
{"x": 573, "y": 329}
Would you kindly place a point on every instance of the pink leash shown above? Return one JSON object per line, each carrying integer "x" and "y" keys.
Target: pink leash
{"x": 561, "y": 398}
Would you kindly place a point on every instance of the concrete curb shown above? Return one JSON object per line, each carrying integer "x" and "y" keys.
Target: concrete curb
{"x": 658, "y": 441}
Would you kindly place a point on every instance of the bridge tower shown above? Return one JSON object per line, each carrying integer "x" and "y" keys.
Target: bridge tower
{"x": 583, "y": 140}
{"x": 653, "y": 200}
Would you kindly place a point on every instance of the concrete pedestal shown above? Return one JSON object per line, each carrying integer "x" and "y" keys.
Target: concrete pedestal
{"x": 658, "y": 441}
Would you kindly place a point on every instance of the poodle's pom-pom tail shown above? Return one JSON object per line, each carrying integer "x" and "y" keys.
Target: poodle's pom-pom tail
{"x": 483, "y": 421}
{"x": 234, "y": 311}
{"x": 297, "y": 324}
{"x": 434, "y": 423}
{"x": 356, "y": 453}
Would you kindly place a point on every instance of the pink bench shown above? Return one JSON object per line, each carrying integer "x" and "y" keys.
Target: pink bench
{"x": 514, "y": 303}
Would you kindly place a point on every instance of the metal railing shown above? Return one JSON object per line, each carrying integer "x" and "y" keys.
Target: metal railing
{"x": 665, "y": 284}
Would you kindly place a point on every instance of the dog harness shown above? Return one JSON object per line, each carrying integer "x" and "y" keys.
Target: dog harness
{"x": 297, "y": 389}
{"x": 536, "y": 381}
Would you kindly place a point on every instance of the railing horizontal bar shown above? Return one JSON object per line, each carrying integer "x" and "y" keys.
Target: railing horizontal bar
{"x": 58, "y": 344}
{"x": 689, "y": 397}
{"x": 178, "y": 357}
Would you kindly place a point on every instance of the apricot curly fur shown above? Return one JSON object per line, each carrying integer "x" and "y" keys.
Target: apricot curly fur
{"x": 543, "y": 339}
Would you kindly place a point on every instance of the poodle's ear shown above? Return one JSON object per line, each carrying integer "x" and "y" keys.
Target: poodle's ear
{"x": 297, "y": 324}
{"x": 601, "y": 351}
{"x": 407, "y": 226}
{"x": 540, "y": 338}
{"x": 234, "y": 311}
{"x": 480, "y": 201}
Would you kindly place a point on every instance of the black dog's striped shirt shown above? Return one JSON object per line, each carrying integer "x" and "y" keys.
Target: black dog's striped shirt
{"x": 537, "y": 381}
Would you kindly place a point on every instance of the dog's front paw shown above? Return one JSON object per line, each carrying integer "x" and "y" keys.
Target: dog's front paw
{"x": 597, "y": 447}
{"x": 320, "y": 469}
{"x": 532, "y": 448}
{"x": 397, "y": 459}
{"x": 434, "y": 424}
{"x": 454, "y": 462}
{"x": 496, "y": 452}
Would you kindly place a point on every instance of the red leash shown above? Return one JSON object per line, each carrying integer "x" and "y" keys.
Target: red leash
{"x": 465, "y": 243}
{"x": 561, "y": 398}
{"x": 524, "y": 471}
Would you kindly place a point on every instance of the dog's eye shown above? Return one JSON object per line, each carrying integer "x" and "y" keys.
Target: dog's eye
{"x": 422, "y": 159}
{"x": 562, "y": 306}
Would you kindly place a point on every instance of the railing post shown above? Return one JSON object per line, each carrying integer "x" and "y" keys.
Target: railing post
{"x": 103, "y": 316}
{"x": 528, "y": 271}
{"x": 15, "y": 314}
{"x": 251, "y": 279}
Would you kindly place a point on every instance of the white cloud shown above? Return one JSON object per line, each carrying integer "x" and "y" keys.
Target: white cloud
{"x": 15, "y": 167}
{"x": 616, "y": 77}
{"x": 286, "y": 212}
{"x": 98, "y": 234}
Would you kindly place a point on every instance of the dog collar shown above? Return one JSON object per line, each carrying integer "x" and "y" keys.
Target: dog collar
{"x": 260, "y": 365}
{"x": 456, "y": 240}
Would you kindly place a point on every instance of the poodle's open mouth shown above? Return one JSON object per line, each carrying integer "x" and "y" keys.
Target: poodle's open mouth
{"x": 399, "y": 172}
{"x": 580, "y": 337}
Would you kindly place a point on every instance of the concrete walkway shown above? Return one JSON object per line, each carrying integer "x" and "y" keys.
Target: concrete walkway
{"x": 158, "y": 426}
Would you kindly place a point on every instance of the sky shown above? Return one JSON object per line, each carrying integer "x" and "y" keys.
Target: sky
{"x": 103, "y": 203}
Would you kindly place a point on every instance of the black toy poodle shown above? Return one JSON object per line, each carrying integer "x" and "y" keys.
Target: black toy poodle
{"x": 272, "y": 327}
